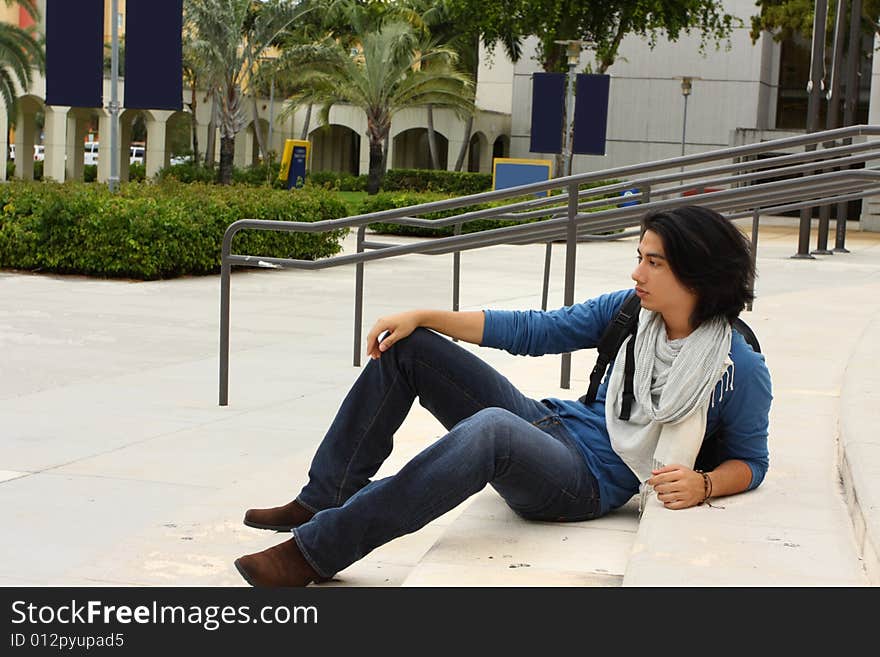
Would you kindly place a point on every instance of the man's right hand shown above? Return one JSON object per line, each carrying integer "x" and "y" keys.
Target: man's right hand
{"x": 399, "y": 326}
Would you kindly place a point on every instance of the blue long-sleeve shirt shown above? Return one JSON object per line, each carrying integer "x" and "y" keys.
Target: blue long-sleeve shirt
{"x": 743, "y": 411}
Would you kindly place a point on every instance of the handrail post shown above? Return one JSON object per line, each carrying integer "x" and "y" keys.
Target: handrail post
{"x": 822, "y": 235}
{"x": 456, "y": 272}
{"x": 358, "y": 299}
{"x": 849, "y": 109}
{"x": 756, "y": 216}
{"x": 813, "y": 89}
{"x": 546, "y": 289}
{"x": 225, "y": 289}
{"x": 840, "y": 229}
{"x": 570, "y": 261}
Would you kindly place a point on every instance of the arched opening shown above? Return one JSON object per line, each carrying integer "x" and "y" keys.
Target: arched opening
{"x": 178, "y": 137}
{"x": 27, "y": 136}
{"x": 501, "y": 147}
{"x": 477, "y": 147}
{"x": 411, "y": 150}
{"x": 82, "y": 145}
{"x": 335, "y": 148}
{"x": 255, "y": 155}
{"x": 132, "y": 143}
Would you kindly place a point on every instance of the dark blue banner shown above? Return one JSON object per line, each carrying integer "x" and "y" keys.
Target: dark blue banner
{"x": 153, "y": 54}
{"x": 548, "y": 108}
{"x": 591, "y": 114}
{"x": 75, "y": 53}
{"x": 296, "y": 176}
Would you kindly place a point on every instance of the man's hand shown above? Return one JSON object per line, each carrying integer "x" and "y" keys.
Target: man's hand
{"x": 678, "y": 486}
{"x": 399, "y": 326}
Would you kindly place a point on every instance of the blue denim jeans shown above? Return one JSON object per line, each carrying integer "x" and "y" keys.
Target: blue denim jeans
{"x": 496, "y": 436}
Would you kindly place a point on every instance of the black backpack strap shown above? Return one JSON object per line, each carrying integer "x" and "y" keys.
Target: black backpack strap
{"x": 615, "y": 333}
{"x": 746, "y": 331}
{"x": 629, "y": 372}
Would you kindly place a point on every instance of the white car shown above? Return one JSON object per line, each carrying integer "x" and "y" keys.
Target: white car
{"x": 39, "y": 152}
{"x": 136, "y": 154}
{"x": 91, "y": 150}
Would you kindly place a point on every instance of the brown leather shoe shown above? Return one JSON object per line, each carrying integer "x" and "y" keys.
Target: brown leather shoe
{"x": 282, "y": 565}
{"x": 280, "y": 518}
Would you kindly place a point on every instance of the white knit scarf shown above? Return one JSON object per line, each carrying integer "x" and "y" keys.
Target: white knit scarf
{"x": 673, "y": 386}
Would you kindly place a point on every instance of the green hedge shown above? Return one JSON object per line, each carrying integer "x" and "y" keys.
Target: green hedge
{"x": 258, "y": 175}
{"x": 392, "y": 200}
{"x": 455, "y": 183}
{"x": 153, "y": 231}
{"x": 38, "y": 169}
{"x": 188, "y": 173}
{"x": 137, "y": 172}
{"x": 410, "y": 180}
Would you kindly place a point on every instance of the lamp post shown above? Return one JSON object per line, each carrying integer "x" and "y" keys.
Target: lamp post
{"x": 686, "y": 86}
{"x": 113, "y": 106}
{"x": 687, "y": 83}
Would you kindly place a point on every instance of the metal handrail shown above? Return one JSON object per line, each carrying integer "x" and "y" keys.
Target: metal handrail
{"x": 567, "y": 217}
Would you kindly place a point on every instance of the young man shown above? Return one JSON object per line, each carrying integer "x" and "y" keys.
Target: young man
{"x": 553, "y": 459}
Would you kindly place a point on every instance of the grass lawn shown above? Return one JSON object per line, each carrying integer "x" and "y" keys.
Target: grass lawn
{"x": 352, "y": 200}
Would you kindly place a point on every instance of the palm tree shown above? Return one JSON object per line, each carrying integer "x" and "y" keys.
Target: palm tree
{"x": 19, "y": 52}
{"x": 229, "y": 38}
{"x": 191, "y": 76}
{"x": 392, "y": 70}
{"x": 457, "y": 27}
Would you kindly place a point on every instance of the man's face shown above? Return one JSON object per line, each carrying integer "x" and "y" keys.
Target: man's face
{"x": 656, "y": 285}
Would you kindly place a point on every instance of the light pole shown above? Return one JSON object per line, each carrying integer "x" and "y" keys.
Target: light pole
{"x": 687, "y": 83}
{"x": 113, "y": 106}
{"x": 686, "y": 86}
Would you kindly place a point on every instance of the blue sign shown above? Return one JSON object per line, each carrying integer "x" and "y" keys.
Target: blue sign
{"x": 591, "y": 114}
{"x": 153, "y": 77}
{"x": 548, "y": 108}
{"x": 629, "y": 192}
{"x": 513, "y": 172}
{"x": 297, "y": 174}
{"x": 74, "y": 53}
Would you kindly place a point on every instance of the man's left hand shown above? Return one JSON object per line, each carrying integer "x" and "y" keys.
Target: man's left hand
{"x": 678, "y": 486}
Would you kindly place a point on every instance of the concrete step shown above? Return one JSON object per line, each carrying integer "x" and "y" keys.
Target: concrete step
{"x": 489, "y": 545}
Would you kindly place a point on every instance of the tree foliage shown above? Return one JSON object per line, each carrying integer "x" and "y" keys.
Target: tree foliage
{"x": 227, "y": 41}
{"x": 604, "y": 23}
{"x": 392, "y": 68}
{"x": 784, "y": 18}
{"x": 20, "y": 53}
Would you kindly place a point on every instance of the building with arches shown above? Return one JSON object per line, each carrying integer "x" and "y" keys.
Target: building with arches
{"x": 340, "y": 146}
{"x": 744, "y": 93}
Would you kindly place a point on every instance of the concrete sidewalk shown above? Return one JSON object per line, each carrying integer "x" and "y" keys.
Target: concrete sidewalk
{"x": 117, "y": 466}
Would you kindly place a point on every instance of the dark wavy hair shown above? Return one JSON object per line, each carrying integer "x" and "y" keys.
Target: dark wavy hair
{"x": 709, "y": 255}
